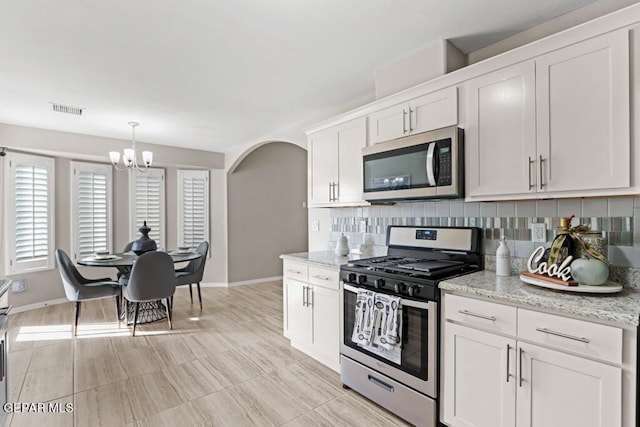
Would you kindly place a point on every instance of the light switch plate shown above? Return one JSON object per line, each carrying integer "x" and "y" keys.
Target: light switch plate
{"x": 539, "y": 232}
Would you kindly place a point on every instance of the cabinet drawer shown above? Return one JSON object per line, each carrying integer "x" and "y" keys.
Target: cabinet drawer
{"x": 324, "y": 277}
{"x": 295, "y": 270}
{"x": 578, "y": 336}
{"x": 482, "y": 314}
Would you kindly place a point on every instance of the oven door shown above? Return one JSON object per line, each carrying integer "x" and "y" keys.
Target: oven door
{"x": 418, "y": 363}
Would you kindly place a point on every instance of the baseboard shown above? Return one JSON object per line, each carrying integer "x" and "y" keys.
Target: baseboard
{"x": 214, "y": 285}
{"x": 38, "y": 305}
{"x": 254, "y": 281}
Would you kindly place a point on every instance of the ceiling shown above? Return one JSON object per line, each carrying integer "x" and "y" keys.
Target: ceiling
{"x": 216, "y": 74}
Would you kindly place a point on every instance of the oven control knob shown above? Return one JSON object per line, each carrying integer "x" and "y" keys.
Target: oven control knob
{"x": 413, "y": 291}
{"x": 351, "y": 277}
{"x": 399, "y": 287}
{"x": 378, "y": 283}
{"x": 362, "y": 279}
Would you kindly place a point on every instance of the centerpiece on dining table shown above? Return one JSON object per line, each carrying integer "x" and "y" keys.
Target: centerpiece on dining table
{"x": 144, "y": 243}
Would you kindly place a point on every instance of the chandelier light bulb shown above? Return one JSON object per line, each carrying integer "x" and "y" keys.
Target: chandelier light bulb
{"x": 129, "y": 157}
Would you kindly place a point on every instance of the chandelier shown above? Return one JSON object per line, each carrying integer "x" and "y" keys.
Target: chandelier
{"x": 130, "y": 157}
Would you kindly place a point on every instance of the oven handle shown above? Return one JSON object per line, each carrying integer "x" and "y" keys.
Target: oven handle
{"x": 404, "y": 302}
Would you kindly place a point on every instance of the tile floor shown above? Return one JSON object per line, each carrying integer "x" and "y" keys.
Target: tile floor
{"x": 228, "y": 365}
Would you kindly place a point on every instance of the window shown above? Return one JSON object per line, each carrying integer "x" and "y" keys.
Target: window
{"x": 193, "y": 207}
{"x": 146, "y": 203}
{"x": 90, "y": 209}
{"x": 30, "y": 213}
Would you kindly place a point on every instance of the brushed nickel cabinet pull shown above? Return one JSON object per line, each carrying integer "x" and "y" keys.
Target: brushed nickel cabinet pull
{"x": 530, "y": 162}
{"x": 481, "y": 316}
{"x": 410, "y": 120}
{"x": 320, "y": 277}
{"x": 508, "y": 354}
{"x": 404, "y": 121}
{"x": 304, "y": 296}
{"x": 520, "y": 366}
{"x": 563, "y": 335}
{"x": 542, "y": 184}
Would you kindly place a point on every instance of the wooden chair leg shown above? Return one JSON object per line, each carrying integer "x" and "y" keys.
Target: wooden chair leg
{"x": 77, "y": 316}
{"x": 191, "y": 293}
{"x": 171, "y": 299}
{"x": 126, "y": 311}
{"x": 135, "y": 319}
{"x": 199, "y": 296}
{"x": 169, "y": 314}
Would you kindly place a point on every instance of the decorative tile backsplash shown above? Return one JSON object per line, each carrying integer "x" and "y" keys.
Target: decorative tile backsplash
{"x": 616, "y": 218}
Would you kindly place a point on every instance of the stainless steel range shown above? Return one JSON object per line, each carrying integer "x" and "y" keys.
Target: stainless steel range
{"x": 389, "y": 349}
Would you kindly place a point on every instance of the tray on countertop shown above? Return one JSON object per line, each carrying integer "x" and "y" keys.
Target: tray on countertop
{"x": 608, "y": 288}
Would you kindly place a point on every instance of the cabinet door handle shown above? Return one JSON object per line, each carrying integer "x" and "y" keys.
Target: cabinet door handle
{"x": 481, "y": 316}
{"x": 520, "y": 351}
{"x": 508, "y": 354}
{"x": 304, "y": 296}
{"x": 320, "y": 277}
{"x": 330, "y": 198}
{"x": 410, "y": 120}
{"x": 404, "y": 121}
{"x": 542, "y": 184}
{"x": 563, "y": 335}
{"x": 531, "y": 161}
{"x": 294, "y": 271}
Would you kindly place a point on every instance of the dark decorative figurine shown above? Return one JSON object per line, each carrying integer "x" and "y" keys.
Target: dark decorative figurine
{"x": 144, "y": 243}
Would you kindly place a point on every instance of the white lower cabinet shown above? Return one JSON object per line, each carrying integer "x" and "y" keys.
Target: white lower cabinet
{"x": 479, "y": 380}
{"x": 559, "y": 389}
{"x": 312, "y": 312}
{"x": 496, "y": 380}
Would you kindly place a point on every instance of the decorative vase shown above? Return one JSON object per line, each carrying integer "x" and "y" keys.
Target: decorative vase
{"x": 342, "y": 247}
{"x": 144, "y": 243}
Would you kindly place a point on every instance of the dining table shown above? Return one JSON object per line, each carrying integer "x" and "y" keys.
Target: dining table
{"x": 150, "y": 311}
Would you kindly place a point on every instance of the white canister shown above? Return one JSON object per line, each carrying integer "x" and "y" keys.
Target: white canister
{"x": 342, "y": 246}
{"x": 503, "y": 259}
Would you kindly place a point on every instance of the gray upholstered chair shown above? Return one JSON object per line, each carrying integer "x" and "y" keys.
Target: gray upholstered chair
{"x": 152, "y": 278}
{"x": 78, "y": 288}
{"x": 194, "y": 271}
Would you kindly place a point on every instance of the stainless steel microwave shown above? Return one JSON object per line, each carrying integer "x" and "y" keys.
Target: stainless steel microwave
{"x": 424, "y": 166}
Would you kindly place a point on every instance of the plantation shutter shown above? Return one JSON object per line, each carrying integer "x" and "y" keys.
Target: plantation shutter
{"x": 30, "y": 223}
{"x": 193, "y": 207}
{"x": 147, "y": 204}
{"x": 91, "y": 208}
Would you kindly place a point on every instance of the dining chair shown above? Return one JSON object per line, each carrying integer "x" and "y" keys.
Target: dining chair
{"x": 193, "y": 272}
{"x": 152, "y": 278}
{"x": 78, "y": 288}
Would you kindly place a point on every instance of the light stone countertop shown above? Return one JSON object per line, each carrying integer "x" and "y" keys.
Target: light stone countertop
{"x": 322, "y": 258}
{"x": 622, "y": 307}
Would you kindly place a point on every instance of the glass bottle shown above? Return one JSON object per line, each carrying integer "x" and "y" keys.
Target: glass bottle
{"x": 563, "y": 244}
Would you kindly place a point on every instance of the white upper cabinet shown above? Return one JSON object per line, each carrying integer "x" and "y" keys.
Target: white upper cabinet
{"x": 542, "y": 127}
{"x": 583, "y": 115}
{"x": 335, "y": 164}
{"x": 428, "y": 112}
{"x": 323, "y": 166}
{"x": 500, "y": 138}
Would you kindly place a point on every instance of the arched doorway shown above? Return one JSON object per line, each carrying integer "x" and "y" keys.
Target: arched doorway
{"x": 266, "y": 206}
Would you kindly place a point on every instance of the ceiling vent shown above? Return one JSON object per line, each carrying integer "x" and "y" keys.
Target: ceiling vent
{"x": 69, "y": 109}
